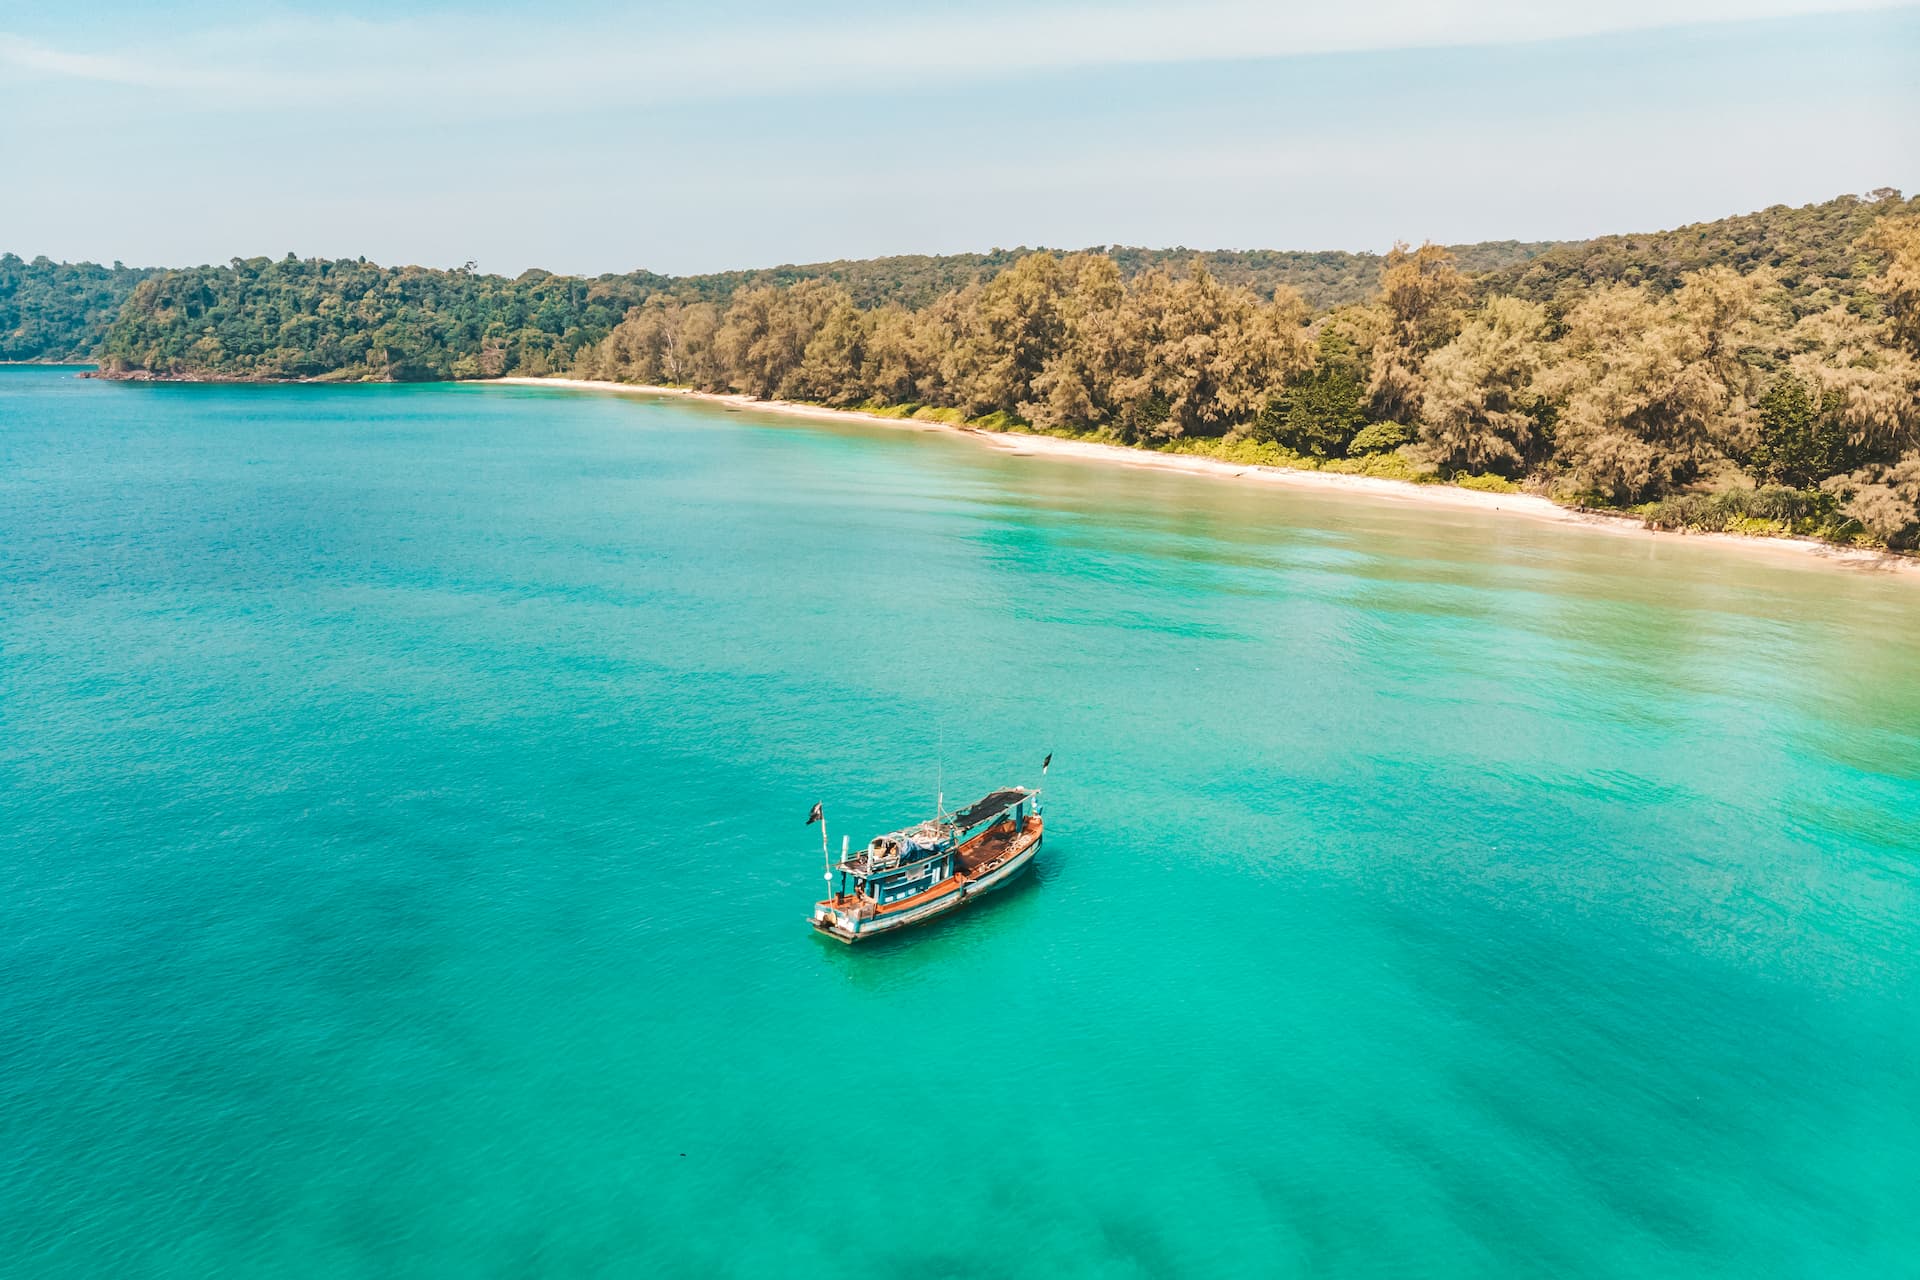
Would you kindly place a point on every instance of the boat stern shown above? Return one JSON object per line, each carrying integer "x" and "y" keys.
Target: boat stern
{"x": 836, "y": 921}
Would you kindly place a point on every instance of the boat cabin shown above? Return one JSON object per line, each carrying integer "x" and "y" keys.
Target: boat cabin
{"x": 904, "y": 864}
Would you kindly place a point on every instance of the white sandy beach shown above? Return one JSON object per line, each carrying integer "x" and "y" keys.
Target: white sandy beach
{"x": 1528, "y": 506}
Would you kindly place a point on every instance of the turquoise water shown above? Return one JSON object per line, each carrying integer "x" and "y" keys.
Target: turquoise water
{"x": 402, "y": 868}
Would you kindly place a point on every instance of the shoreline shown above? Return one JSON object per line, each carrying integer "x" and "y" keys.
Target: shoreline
{"x": 1525, "y": 505}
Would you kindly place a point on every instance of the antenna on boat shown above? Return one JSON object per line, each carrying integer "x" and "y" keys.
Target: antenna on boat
{"x": 940, "y": 794}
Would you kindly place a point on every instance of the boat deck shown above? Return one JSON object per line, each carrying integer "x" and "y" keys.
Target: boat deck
{"x": 982, "y": 863}
{"x": 992, "y": 846}
{"x": 975, "y": 858}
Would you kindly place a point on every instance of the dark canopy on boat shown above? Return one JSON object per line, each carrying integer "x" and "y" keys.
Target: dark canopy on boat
{"x": 981, "y": 810}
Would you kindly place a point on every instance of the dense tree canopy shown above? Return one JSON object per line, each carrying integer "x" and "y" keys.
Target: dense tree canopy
{"x": 1326, "y": 279}
{"x": 1481, "y": 410}
{"x": 1618, "y": 394}
{"x": 310, "y": 318}
{"x": 57, "y": 310}
{"x": 1621, "y": 394}
{"x": 1780, "y": 349}
{"x": 1814, "y": 251}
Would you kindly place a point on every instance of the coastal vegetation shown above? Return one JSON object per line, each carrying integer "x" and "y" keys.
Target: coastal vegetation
{"x": 351, "y": 319}
{"x": 1736, "y": 396}
{"x": 1812, "y": 251}
{"x": 56, "y": 311}
{"x": 354, "y": 320}
{"x": 1758, "y": 374}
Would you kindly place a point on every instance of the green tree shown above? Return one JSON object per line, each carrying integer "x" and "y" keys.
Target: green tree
{"x": 763, "y": 341}
{"x": 1885, "y": 498}
{"x": 900, "y": 363}
{"x": 1480, "y": 411}
{"x": 1865, "y": 379}
{"x": 1898, "y": 283}
{"x": 1000, "y": 335}
{"x": 1205, "y": 357}
{"x": 830, "y": 369}
{"x": 1422, "y": 294}
{"x": 1321, "y": 408}
{"x": 1803, "y": 438}
{"x": 1164, "y": 355}
{"x": 1075, "y": 387}
{"x": 1652, "y": 390}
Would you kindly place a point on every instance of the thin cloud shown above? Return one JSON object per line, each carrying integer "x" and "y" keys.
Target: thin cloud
{"x": 123, "y": 70}
{"x": 477, "y": 63}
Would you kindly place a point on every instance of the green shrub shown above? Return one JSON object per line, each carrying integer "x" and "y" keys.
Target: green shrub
{"x": 1244, "y": 450}
{"x": 938, "y": 413}
{"x": 1487, "y": 483}
{"x": 999, "y": 420}
{"x": 1768, "y": 511}
{"x": 1398, "y": 465}
{"x": 1380, "y": 437}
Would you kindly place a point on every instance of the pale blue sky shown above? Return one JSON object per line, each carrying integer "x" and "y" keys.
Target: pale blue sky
{"x": 688, "y": 137}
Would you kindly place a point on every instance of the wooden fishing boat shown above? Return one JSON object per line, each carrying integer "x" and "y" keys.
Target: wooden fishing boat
{"x": 910, "y": 876}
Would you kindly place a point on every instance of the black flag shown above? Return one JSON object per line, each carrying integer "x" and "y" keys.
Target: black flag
{"x": 816, "y": 815}
{"x": 1046, "y": 762}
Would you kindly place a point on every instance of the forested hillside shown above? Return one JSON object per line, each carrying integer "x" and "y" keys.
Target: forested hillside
{"x": 1759, "y": 372}
{"x": 304, "y": 318}
{"x": 1324, "y": 279}
{"x": 307, "y": 318}
{"x": 311, "y": 318}
{"x": 58, "y": 310}
{"x": 1814, "y": 250}
{"x": 1732, "y": 395}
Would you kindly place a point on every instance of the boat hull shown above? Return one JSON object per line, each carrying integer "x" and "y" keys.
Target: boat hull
{"x": 836, "y": 924}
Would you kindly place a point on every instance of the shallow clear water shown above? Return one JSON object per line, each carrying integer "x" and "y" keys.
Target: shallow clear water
{"x": 402, "y": 867}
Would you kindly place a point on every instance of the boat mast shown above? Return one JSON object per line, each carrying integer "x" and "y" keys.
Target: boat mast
{"x": 819, "y": 814}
